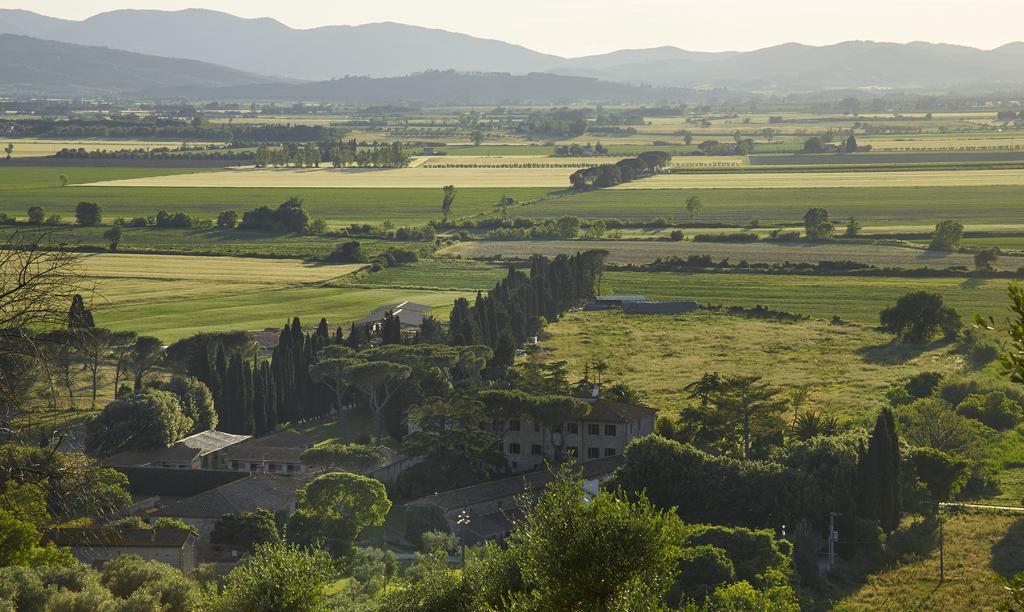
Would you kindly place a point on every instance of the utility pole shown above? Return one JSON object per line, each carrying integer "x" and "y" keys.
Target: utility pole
{"x": 833, "y": 536}
{"x": 942, "y": 543}
{"x": 463, "y": 522}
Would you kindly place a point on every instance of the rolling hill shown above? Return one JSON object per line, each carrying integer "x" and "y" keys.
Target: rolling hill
{"x": 29, "y": 66}
{"x": 266, "y": 46}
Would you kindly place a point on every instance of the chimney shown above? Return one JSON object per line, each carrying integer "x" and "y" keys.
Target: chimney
{"x": 596, "y": 391}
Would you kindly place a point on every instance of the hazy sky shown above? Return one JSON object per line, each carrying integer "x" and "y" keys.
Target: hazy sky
{"x": 577, "y": 27}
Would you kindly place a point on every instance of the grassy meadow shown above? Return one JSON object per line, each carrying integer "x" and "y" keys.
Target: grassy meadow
{"x": 981, "y": 550}
{"x": 847, "y": 367}
{"x": 851, "y": 298}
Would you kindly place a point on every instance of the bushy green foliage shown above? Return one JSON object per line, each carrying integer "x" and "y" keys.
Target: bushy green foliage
{"x": 142, "y": 420}
{"x": 129, "y": 576}
{"x": 245, "y": 530}
{"x": 421, "y": 518}
{"x": 335, "y": 508}
{"x": 710, "y": 489}
{"x": 355, "y": 457}
{"x": 196, "y": 401}
{"x": 278, "y": 577}
{"x": 994, "y": 409}
{"x": 918, "y": 316}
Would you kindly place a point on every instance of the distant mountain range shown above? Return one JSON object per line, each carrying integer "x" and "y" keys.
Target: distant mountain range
{"x": 29, "y": 66}
{"x": 268, "y": 47}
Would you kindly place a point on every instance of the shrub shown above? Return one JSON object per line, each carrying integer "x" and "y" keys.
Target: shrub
{"x": 702, "y": 569}
{"x": 917, "y": 316}
{"x": 420, "y": 519}
{"x": 676, "y": 235}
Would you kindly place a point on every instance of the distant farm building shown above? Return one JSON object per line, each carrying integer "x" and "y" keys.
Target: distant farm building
{"x": 608, "y": 302}
{"x": 410, "y": 315}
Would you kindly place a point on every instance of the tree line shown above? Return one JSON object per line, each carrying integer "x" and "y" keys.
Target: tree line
{"x": 622, "y": 171}
{"x": 340, "y": 154}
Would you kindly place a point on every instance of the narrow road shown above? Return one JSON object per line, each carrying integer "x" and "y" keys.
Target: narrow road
{"x": 982, "y": 507}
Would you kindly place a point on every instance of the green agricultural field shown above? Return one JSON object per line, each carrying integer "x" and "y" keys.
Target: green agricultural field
{"x": 23, "y": 187}
{"x": 431, "y": 274}
{"x": 870, "y": 205}
{"x": 212, "y": 241}
{"x": 851, "y": 298}
{"x": 847, "y": 367}
{"x": 172, "y": 297}
{"x": 646, "y": 251}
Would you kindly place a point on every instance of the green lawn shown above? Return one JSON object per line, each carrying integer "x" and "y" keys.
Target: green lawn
{"x": 851, "y": 298}
{"x": 23, "y": 187}
{"x": 870, "y": 205}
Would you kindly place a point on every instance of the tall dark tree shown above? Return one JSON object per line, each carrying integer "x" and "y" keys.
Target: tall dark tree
{"x": 79, "y": 316}
{"x": 391, "y": 329}
{"x": 879, "y": 474}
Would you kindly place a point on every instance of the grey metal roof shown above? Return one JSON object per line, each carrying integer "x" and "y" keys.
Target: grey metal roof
{"x": 158, "y": 537}
{"x": 246, "y": 495}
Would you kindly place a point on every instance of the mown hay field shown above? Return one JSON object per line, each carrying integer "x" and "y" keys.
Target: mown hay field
{"x": 646, "y": 251}
{"x": 809, "y": 180}
{"x": 846, "y": 367}
{"x": 174, "y": 297}
{"x": 367, "y": 178}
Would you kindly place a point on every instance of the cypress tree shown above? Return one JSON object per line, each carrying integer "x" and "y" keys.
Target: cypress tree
{"x": 247, "y": 413}
{"x": 880, "y": 474}
{"x": 338, "y": 337}
{"x": 391, "y": 329}
{"x": 322, "y": 331}
{"x": 271, "y": 406}
{"x": 79, "y": 317}
{"x": 221, "y": 372}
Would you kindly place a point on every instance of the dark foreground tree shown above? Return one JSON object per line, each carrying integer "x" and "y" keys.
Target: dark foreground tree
{"x": 918, "y": 316}
{"x": 879, "y": 474}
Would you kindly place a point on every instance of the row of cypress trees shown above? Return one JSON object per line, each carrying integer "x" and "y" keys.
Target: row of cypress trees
{"x": 254, "y": 396}
{"x": 519, "y": 305}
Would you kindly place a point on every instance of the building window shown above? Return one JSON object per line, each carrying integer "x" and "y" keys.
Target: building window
{"x": 271, "y": 467}
{"x": 594, "y": 429}
{"x": 536, "y": 427}
{"x": 513, "y": 448}
{"x": 234, "y": 465}
{"x": 573, "y": 428}
{"x": 608, "y": 452}
{"x": 609, "y": 430}
{"x": 593, "y": 452}
{"x": 535, "y": 449}
{"x": 253, "y": 467}
{"x": 291, "y": 468}
{"x": 497, "y": 424}
{"x": 513, "y": 425}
